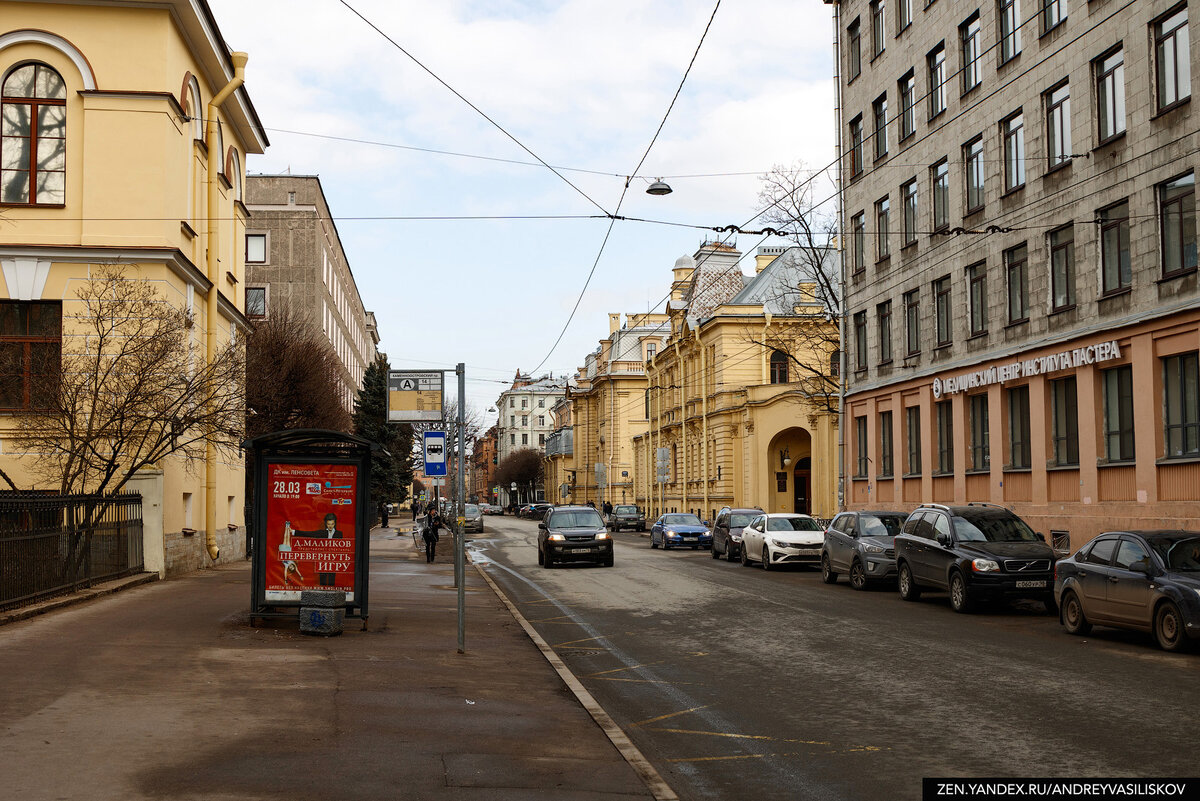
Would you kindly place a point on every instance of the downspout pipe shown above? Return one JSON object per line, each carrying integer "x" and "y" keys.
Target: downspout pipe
{"x": 212, "y": 262}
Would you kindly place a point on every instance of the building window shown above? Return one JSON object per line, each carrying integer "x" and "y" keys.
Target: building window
{"x": 524, "y": 439}
{"x": 511, "y": 402}
{"x": 33, "y": 140}
{"x": 1177, "y": 203}
{"x": 1010, "y": 30}
{"x": 981, "y": 453}
{"x": 856, "y": 146}
{"x": 885, "y": 444}
{"x": 879, "y": 110}
{"x": 524, "y": 403}
{"x": 1181, "y": 413}
{"x": 878, "y": 26}
{"x": 1018, "y": 428}
{"x": 541, "y": 439}
{"x": 1065, "y": 421}
{"x": 512, "y": 420}
{"x": 1116, "y": 268}
{"x": 939, "y": 180}
{"x": 907, "y": 89}
{"x": 854, "y": 48}
{"x": 977, "y": 297}
{"x": 1062, "y": 267}
{"x": 1016, "y": 267}
{"x": 945, "y": 432}
{"x": 256, "y": 248}
{"x": 941, "y": 311}
{"x": 1058, "y": 125}
{"x": 912, "y": 321}
{"x": 1053, "y": 14}
{"x": 1012, "y": 131}
{"x": 883, "y": 316}
{"x": 860, "y": 447}
{"x": 256, "y": 302}
{"x": 779, "y": 367}
{"x": 882, "y": 225}
{"x": 541, "y": 403}
{"x": 903, "y": 14}
{"x": 835, "y": 363}
{"x": 1118, "y": 414}
{"x": 858, "y": 239}
{"x": 860, "y": 341}
{"x": 936, "y": 62}
{"x": 973, "y": 161}
{"x": 541, "y": 420}
{"x": 30, "y": 353}
{"x": 651, "y": 349}
{"x": 524, "y": 419}
{"x": 912, "y": 419}
{"x": 908, "y": 198}
{"x": 968, "y": 34}
{"x": 1172, "y": 59}
{"x": 1110, "y": 94}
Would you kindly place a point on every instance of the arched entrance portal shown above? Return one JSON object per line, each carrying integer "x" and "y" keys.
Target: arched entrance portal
{"x": 789, "y": 457}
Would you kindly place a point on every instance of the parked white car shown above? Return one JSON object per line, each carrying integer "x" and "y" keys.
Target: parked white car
{"x": 782, "y": 538}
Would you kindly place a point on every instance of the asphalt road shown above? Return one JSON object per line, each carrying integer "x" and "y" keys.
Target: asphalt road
{"x": 741, "y": 683}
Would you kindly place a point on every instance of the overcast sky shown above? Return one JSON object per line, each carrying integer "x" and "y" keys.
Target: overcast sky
{"x": 583, "y": 84}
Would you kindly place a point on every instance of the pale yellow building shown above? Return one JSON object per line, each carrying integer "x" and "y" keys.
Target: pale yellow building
{"x": 138, "y": 159}
{"x": 560, "y": 472}
{"x": 606, "y": 409}
{"x": 741, "y": 405}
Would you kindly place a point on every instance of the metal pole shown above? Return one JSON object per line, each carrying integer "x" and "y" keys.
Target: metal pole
{"x": 459, "y": 545}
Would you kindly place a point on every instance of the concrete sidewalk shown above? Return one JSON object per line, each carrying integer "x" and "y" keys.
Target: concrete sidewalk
{"x": 165, "y": 691}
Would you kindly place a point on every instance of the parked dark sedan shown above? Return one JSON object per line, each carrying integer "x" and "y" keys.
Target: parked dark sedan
{"x": 1142, "y": 580}
{"x": 679, "y": 531}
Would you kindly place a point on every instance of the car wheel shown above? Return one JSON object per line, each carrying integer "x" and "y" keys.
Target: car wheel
{"x": 827, "y": 574}
{"x": 1168, "y": 627}
{"x": 713, "y": 548}
{"x": 858, "y": 575}
{"x": 766, "y": 559}
{"x": 1072, "y": 616}
{"x": 653, "y": 544}
{"x": 541, "y": 559}
{"x": 909, "y": 590}
{"x": 960, "y": 598}
{"x": 745, "y": 559}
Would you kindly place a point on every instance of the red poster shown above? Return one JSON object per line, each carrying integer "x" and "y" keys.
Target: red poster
{"x": 310, "y": 537}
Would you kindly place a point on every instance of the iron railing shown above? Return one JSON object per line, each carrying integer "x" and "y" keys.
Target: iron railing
{"x": 56, "y": 544}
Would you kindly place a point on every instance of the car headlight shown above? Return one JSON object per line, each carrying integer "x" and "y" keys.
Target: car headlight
{"x": 556, "y": 538}
{"x": 873, "y": 549}
{"x": 780, "y": 544}
{"x": 984, "y": 565}
{"x": 670, "y": 533}
{"x": 603, "y": 535}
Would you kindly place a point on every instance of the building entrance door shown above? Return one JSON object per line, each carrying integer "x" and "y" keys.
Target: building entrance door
{"x": 802, "y": 482}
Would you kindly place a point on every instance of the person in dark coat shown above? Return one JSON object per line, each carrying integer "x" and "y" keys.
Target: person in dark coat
{"x": 429, "y": 533}
{"x": 383, "y": 514}
{"x": 416, "y": 509}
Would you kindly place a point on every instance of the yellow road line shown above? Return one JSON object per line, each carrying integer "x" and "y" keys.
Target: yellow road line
{"x": 672, "y": 715}
{"x": 742, "y": 736}
{"x": 641, "y": 681}
{"x": 618, "y": 670}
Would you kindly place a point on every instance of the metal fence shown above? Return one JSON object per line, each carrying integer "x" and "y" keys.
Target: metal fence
{"x": 56, "y": 544}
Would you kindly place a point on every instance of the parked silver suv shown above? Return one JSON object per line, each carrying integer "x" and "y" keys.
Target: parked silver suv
{"x": 860, "y": 545}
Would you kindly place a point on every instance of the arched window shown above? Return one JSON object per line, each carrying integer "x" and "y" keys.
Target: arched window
{"x": 779, "y": 367}
{"x": 194, "y": 109}
{"x": 33, "y": 136}
{"x": 835, "y": 364}
{"x": 233, "y": 171}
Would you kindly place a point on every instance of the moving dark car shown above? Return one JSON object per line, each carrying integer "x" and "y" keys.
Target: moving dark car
{"x": 978, "y": 552}
{"x": 677, "y": 530}
{"x": 1142, "y": 580}
{"x": 626, "y": 517}
{"x": 727, "y": 531}
{"x": 860, "y": 545}
{"x": 574, "y": 534}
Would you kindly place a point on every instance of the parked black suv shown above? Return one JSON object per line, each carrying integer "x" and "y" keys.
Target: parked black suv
{"x": 977, "y": 552}
{"x": 727, "y": 531}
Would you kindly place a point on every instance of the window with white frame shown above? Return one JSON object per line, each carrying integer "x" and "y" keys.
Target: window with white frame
{"x": 1172, "y": 59}
{"x": 1110, "y": 95}
{"x": 1012, "y": 131}
{"x": 972, "y": 69}
{"x": 1058, "y": 125}
{"x": 1010, "y": 30}
{"x": 936, "y": 64}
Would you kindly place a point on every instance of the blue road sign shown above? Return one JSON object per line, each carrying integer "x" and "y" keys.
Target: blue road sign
{"x": 435, "y": 453}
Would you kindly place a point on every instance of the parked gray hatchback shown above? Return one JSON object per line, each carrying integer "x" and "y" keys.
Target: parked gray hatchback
{"x": 860, "y": 545}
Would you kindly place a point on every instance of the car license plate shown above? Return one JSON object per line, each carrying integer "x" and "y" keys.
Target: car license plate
{"x": 1028, "y": 585}
{"x": 582, "y": 550}
{"x": 689, "y": 539}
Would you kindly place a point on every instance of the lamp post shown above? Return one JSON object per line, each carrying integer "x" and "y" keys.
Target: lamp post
{"x": 512, "y": 492}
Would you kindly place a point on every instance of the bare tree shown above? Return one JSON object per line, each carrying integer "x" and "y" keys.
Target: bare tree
{"x": 806, "y": 324}
{"x": 523, "y": 467}
{"x": 132, "y": 388}
{"x": 293, "y": 376}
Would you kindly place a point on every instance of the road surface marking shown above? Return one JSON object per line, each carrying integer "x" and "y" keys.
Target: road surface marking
{"x": 618, "y": 670}
{"x": 671, "y": 715}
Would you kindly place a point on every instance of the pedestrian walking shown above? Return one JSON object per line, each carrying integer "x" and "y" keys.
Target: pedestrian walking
{"x": 416, "y": 509}
{"x": 433, "y": 522}
{"x": 383, "y": 514}
{"x": 607, "y": 508}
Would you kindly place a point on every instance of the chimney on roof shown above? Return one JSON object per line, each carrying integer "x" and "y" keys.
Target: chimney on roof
{"x": 614, "y": 322}
{"x": 682, "y": 271}
{"x": 765, "y": 256}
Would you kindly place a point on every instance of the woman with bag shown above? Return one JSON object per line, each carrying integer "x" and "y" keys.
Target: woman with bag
{"x": 429, "y": 533}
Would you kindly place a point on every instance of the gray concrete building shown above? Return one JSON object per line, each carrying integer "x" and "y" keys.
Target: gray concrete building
{"x": 524, "y": 420}
{"x": 1023, "y": 317}
{"x": 294, "y": 256}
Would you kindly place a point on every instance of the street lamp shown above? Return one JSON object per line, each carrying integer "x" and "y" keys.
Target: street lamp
{"x": 512, "y": 491}
{"x": 659, "y": 187}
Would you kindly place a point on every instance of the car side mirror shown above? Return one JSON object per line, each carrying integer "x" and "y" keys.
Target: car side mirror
{"x": 542, "y": 526}
{"x": 1041, "y": 536}
{"x": 1142, "y": 566}
{"x": 943, "y": 540}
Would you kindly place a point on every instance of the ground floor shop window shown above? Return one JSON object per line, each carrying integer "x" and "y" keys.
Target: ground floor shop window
{"x": 913, "y": 433}
{"x": 1118, "y": 414}
{"x": 1018, "y": 428}
{"x": 945, "y": 432}
{"x": 1065, "y": 429}
{"x": 1181, "y": 406}
{"x": 30, "y": 353}
{"x": 980, "y": 448}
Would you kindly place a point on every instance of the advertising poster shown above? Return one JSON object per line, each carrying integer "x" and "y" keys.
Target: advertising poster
{"x": 310, "y": 536}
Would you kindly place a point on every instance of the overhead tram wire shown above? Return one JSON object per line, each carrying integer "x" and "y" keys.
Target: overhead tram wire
{"x": 625, "y": 190}
{"x": 475, "y": 108}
